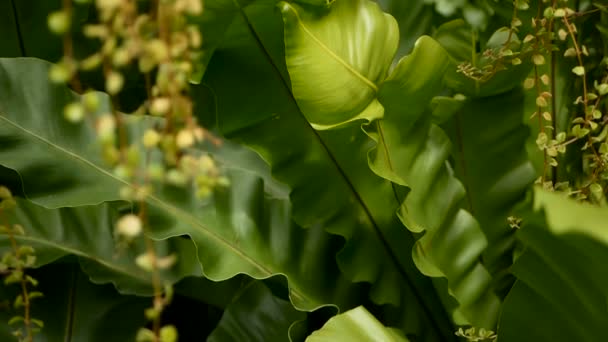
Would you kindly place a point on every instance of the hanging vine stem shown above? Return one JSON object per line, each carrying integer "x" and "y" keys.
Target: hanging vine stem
{"x": 27, "y": 321}
{"x": 541, "y": 97}
{"x": 553, "y": 73}
{"x": 161, "y": 43}
{"x": 15, "y": 264}
{"x": 579, "y": 55}
{"x": 582, "y": 72}
{"x": 68, "y": 47}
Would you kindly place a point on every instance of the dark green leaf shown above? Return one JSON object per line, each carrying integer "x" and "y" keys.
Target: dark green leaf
{"x": 255, "y": 106}
{"x": 88, "y": 233}
{"x": 256, "y": 315}
{"x": 412, "y": 152}
{"x": 490, "y": 159}
{"x": 561, "y": 291}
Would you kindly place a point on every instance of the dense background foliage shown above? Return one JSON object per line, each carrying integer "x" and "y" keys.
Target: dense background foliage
{"x": 368, "y": 170}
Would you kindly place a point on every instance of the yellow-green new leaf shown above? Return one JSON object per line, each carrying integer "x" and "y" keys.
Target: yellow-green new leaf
{"x": 341, "y": 54}
{"x": 355, "y": 325}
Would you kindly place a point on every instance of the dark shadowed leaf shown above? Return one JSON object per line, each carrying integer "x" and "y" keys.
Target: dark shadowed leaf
{"x": 561, "y": 291}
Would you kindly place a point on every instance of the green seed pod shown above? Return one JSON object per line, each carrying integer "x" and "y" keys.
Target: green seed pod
{"x": 121, "y": 57}
{"x": 133, "y": 156}
{"x": 160, "y": 106}
{"x": 74, "y": 112}
{"x": 157, "y": 50}
{"x": 90, "y": 100}
{"x": 108, "y": 47}
{"x": 184, "y": 139}
{"x": 196, "y": 39}
{"x": 203, "y": 192}
{"x": 176, "y": 177}
{"x": 95, "y": 31}
{"x": 145, "y": 335}
{"x": 114, "y": 82}
{"x": 207, "y": 164}
{"x": 168, "y": 333}
{"x": 146, "y": 64}
{"x": 179, "y": 44}
{"x": 189, "y": 165}
{"x": 151, "y": 138}
{"x": 129, "y": 226}
{"x": 108, "y": 5}
{"x": 60, "y": 73}
{"x": 91, "y": 62}
{"x": 106, "y": 126}
{"x": 59, "y": 22}
{"x": 110, "y": 154}
{"x": 144, "y": 261}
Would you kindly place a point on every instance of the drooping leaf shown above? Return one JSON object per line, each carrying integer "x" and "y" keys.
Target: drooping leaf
{"x": 412, "y": 152}
{"x": 241, "y": 231}
{"x": 32, "y": 125}
{"x": 87, "y": 232}
{"x": 356, "y": 325}
{"x": 256, "y": 107}
{"x": 561, "y": 291}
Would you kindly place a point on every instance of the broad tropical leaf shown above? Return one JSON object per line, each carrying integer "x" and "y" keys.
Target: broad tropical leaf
{"x": 242, "y": 231}
{"x": 267, "y": 118}
{"x": 348, "y": 50}
{"x": 28, "y": 108}
{"x": 560, "y": 294}
{"x": 87, "y": 232}
{"x": 412, "y": 152}
{"x": 356, "y": 325}
{"x": 490, "y": 160}
{"x": 419, "y": 83}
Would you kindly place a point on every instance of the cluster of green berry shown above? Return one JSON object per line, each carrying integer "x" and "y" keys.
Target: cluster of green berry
{"x": 156, "y": 39}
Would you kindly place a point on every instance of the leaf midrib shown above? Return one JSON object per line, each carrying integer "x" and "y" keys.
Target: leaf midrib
{"x": 80, "y": 253}
{"x": 332, "y": 54}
